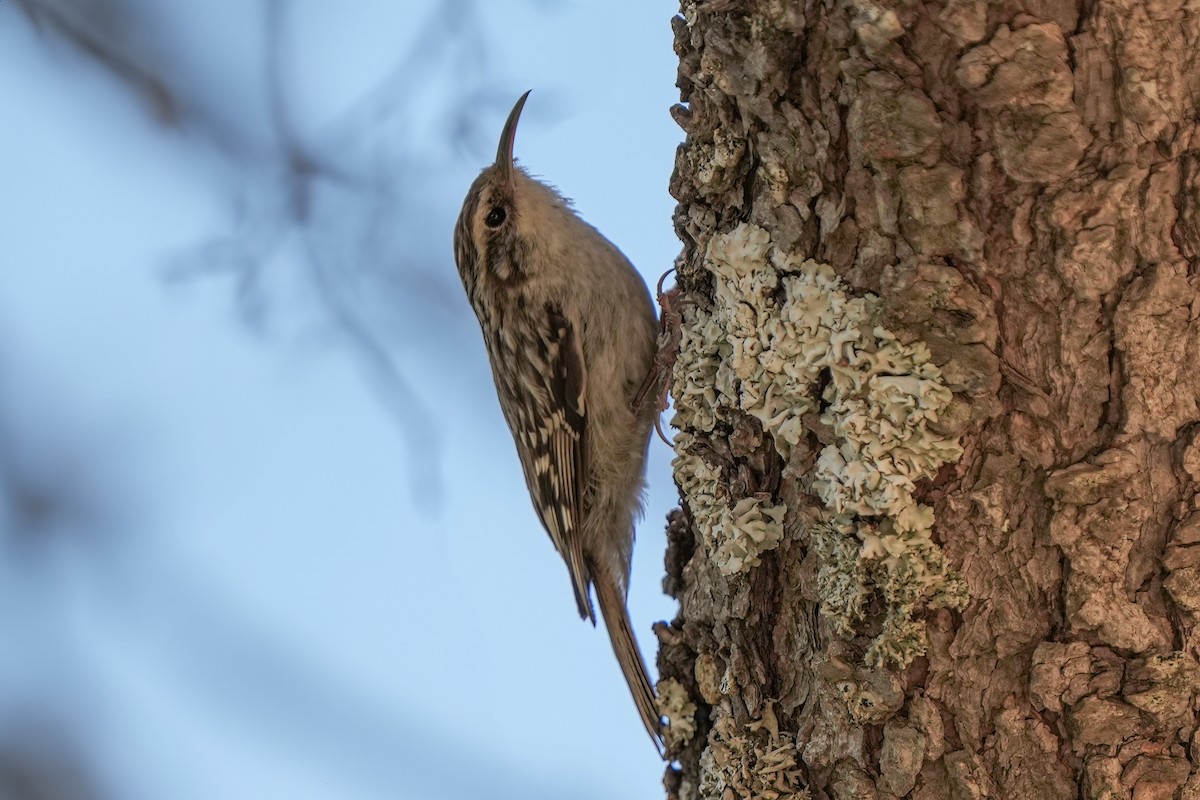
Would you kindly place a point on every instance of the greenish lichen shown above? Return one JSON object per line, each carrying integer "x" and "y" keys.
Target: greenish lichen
{"x": 779, "y": 328}
{"x": 842, "y": 577}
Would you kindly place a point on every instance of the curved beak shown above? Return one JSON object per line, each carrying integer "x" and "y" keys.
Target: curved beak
{"x": 504, "y": 151}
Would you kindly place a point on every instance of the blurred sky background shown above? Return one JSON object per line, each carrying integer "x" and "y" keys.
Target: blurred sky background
{"x": 263, "y": 533}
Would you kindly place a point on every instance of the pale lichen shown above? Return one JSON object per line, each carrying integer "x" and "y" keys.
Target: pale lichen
{"x": 842, "y": 579}
{"x": 680, "y": 711}
{"x": 896, "y": 559}
{"x": 714, "y": 160}
{"x": 736, "y": 535}
{"x": 756, "y": 761}
{"x": 780, "y": 328}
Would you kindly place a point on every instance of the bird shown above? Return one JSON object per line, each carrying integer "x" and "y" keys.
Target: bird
{"x": 570, "y": 332}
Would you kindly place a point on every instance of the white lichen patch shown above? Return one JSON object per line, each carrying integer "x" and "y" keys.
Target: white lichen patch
{"x": 735, "y": 536}
{"x": 680, "y": 711}
{"x": 902, "y": 564}
{"x": 756, "y": 761}
{"x": 713, "y": 160}
{"x": 702, "y": 348}
{"x": 779, "y": 328}
{"x": 842, "y": 579}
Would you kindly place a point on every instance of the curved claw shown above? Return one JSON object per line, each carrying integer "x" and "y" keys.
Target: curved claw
{"x": 669, "y": 336}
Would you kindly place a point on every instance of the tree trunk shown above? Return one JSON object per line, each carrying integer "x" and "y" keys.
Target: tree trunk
{"x": 937, "y": 397}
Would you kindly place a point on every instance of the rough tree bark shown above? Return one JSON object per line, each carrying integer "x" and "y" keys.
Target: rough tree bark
{"x": 937, "y": 398}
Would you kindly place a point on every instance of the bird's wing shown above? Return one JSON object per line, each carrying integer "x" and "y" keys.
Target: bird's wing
{"x": 550, "y": 428}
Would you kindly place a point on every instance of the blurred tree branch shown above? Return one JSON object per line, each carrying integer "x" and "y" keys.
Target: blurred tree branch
{"x": 347, "y": 206}
{"x": 37, "y": 762}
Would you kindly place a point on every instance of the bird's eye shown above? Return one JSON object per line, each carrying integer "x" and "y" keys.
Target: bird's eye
{"x": 495, "y": 217}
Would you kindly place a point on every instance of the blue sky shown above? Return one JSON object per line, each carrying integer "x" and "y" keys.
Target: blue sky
{"x": 291, "y": 599}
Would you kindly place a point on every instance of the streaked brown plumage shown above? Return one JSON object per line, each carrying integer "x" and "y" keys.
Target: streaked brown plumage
{"x": 570, "y": 332}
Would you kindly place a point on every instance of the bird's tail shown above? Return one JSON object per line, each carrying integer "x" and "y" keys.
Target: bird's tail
{"x": 624, "y": 644}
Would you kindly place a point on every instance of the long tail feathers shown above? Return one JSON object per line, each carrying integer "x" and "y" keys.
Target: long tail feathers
{"x": 580, "y": 572}
{"x": 624, "y": 644}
